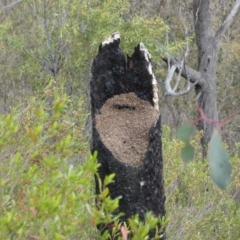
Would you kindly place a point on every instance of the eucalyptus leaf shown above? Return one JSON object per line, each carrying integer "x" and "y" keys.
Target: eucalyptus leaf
{"x": 187, "y": 153}
{"x": 220, "y": 168}
{"x": 185, "y": 131}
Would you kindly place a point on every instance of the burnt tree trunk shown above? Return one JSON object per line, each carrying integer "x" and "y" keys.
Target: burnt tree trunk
{"x": 126, "y": 128}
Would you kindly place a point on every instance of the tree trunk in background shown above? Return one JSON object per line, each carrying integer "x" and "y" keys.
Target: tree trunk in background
{"x": 208, "y": 49}
{"x": 208, "y": 44}
{"x": 126, "y": 129}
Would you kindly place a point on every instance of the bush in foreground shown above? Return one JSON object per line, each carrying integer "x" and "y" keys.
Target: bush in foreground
{"x": 47, "y": 187}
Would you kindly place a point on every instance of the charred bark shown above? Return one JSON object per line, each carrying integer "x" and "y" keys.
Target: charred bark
{"x": 130, "y": 147}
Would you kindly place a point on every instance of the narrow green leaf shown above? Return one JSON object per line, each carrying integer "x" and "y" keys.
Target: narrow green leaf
{"x": 108, "y": 179}
{"x": 185, "y": 131}
{"x": 187, "y": 153}
{"x": 104, "y": 193}
{"x": 220, "y": 168}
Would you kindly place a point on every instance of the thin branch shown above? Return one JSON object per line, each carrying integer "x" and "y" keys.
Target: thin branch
{"x": 172, "y": 91}
{"x": 11, "y": 5}
{"x": 228, "y": 21}
{"x": 178, "y": 66}
{"x": 169, "y": 79}
{"x": 181, "y": 68}
{"x": 178, "y": 81}
{"x": 186, "y": 72}
{"x": 203, "y": 117}
{"x": 218, "y": 122}
{"x": 222, "y": 121}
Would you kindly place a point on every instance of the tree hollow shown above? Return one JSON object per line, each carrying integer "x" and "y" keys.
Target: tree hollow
{"x": 123, "y": 124}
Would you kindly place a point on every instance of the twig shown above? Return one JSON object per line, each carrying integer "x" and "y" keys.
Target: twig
{"x": 219, "y": 122}
{"x": 11, "y": 5}
{"x": 228, "y": 21}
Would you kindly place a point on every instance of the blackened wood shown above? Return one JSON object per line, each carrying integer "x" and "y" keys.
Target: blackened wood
{"x": 141, "y": 187}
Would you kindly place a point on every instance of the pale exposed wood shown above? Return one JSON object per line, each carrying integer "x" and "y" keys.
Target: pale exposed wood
{"x": 187, "y": 72}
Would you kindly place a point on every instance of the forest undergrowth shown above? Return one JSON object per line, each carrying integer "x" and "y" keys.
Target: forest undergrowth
{"x": 47, "y": 187}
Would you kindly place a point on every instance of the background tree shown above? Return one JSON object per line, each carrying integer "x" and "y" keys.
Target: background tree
{"x": 209, "y": 21}
{"x": 205, "y": 78}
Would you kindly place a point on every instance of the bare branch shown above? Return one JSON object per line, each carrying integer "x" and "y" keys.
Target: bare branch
{"x": 186, "y": 72}
{"x": 169, "y": 79}
{"x": 11, "y": 5}
{"x": 169, "y": 90}
{"x": 228, "y": 21}
{"x": 181, "y": 67}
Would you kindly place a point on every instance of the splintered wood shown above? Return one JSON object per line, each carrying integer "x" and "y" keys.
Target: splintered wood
{"x": 123, "y": 124}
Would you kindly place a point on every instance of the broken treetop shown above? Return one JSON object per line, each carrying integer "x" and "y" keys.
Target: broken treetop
{"x": 112, "y": 75}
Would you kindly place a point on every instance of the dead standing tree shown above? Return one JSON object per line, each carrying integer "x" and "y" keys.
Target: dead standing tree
{"x": 126, "y": 128}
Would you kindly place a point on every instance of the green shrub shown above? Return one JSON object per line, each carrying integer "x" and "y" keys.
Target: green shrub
{"x": 46, "y": 178}
{"x": 44, "y": 41}
{"x": 195, "y": 207}
{"x": 46, "y": 181}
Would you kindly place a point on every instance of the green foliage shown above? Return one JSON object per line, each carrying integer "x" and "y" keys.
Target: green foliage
{"x": 184, "y": 133}
{"x": 141, "y": 229}
{"x": 56, "y": 41}
{"x": 105, "y": 216}
{"x": 44, "y": 190}
{"x": 47, "y": 185}
{"x": 47, "y": 50}
{"x": 187, "y": 152}
{"x": 46, "y": 178}
{"x": 220, "y": 168}
{"x": 196, "y": 209}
